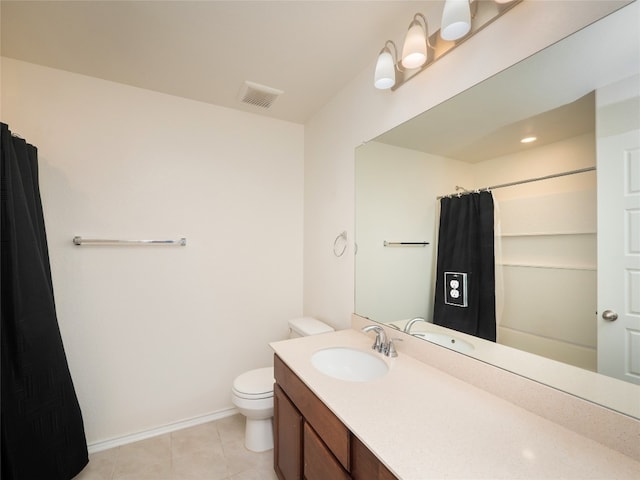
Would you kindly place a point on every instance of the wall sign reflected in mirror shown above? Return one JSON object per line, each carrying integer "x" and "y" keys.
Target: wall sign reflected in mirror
{"x": 549, "y": 244}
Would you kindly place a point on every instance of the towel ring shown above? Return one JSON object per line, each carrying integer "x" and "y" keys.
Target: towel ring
{"x": 336, "y": 249}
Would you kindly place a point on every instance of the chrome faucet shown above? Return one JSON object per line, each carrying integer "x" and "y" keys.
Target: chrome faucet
{"x": 381, "y": 344}
{"x": 407, "y": 327}
{"x": 381, "y": 338}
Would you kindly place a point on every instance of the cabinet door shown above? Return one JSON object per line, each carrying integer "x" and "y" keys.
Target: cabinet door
{"x": 319, "y": 463}
{"x": 365, "y": 465}
{"x": 287, "y": 452}
{"x": 332, "y": 431}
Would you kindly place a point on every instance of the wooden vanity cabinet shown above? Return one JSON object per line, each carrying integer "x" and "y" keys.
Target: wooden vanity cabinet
{"x": 287, "y": 422}
{"x": 319, "y": 463}
{"x": 310, "y": 442}
{"x": 365, "y": 464}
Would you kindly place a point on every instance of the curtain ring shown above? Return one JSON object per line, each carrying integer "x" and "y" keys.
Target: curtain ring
{"x": 336, "y": 251}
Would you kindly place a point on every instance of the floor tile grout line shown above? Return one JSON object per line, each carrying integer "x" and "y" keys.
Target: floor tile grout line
{"x": 232, "y": 452}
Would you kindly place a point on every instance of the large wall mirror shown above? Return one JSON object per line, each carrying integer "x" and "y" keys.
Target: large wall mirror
{"x": 559, "y": 262}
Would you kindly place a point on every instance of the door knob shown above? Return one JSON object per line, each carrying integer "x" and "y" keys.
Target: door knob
{"x": 610, "y": 315}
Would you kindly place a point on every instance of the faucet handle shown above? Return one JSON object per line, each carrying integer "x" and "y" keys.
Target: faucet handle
{"x": 390, "y": 349}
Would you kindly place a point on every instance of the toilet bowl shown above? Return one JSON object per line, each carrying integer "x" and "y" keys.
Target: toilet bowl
{"x": 252, "y": 391}
{"x": 252, "y": 394}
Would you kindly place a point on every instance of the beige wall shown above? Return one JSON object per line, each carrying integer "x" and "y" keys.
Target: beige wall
{"x": 155, "y": 335}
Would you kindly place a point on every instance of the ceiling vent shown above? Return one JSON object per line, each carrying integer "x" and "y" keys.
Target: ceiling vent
{"x": 259, "y": 95}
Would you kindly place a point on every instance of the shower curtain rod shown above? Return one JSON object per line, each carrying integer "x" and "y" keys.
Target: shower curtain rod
{"x": 520, "y": 182}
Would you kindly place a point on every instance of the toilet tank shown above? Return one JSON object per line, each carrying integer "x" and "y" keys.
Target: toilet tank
{"x": 305, "y": 326}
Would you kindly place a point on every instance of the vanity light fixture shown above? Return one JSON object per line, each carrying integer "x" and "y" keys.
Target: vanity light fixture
{"x": 461, "y": 20}
{"x": 385, "y": 76}
{"x": 529, "y": 139}
{"x": 416, "y": 43}
{"x": 456, "y": 19}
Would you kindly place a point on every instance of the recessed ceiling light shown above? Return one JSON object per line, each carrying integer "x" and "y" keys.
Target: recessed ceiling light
{"x": 528, "y": 139}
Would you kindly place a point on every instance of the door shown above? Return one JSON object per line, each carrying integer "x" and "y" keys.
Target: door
{"x": 618, "y": 164}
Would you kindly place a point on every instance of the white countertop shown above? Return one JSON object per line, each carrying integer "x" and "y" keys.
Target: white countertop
{"x": 616, "y": 394}
{"x": 422, "y": 423}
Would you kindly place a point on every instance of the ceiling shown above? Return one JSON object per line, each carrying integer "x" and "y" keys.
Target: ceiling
{"x": 206, "y": 50}
{"x": 450, "y": 131}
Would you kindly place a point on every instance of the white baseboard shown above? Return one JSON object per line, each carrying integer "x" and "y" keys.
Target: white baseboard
{"x": 154, "y": 432}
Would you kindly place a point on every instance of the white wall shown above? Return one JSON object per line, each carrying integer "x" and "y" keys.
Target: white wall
{"x": 155, "y": 335}
{"x": 359, "y": 113}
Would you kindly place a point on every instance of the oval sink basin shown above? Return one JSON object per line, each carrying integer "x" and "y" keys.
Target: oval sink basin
{"x": 349, "y": 364}
{"x": 446, "y": 341}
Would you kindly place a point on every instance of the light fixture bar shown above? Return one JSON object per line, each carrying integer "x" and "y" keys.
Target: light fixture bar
{"x": 484, "y": 13}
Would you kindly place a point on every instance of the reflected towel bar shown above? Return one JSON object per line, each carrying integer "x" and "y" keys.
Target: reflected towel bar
{"x": 94, "y": 241}
{"x": 405, "y": 244}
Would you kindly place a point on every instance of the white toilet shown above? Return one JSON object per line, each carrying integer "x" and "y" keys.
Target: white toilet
{"x": 252, "y": 391}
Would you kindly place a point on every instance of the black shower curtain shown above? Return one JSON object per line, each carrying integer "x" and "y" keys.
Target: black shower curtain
{"x": 42, "y": 430}
{"x": 465, "y": 281}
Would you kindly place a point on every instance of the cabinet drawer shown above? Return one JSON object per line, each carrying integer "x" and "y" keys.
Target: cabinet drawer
{"x": 319, "y": 464}
{"x": 334, "y": 434}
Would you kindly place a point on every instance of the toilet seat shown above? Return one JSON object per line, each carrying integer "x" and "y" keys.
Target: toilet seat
{"x": 254, "y": 384}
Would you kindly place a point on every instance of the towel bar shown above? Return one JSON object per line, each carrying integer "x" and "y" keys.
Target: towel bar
{"x": 405, "y": 244}
{"x": 106, "y": 242}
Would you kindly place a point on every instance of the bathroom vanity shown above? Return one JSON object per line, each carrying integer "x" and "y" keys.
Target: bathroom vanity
{"x": 310, "y": 441}
{"x": 416, "y": 422}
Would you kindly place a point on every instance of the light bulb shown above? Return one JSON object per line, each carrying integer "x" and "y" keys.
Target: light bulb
{"x": 414, "y": 50}
{"x": 456, "y": 19}
{"x": 385, "y": 74}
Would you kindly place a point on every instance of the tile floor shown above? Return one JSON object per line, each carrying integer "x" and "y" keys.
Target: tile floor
{"x": 211, "y": 451}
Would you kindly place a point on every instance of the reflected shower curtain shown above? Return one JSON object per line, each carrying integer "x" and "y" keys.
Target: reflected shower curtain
{"x": 465, "y": 276}
{"x": 42, "y": 428}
